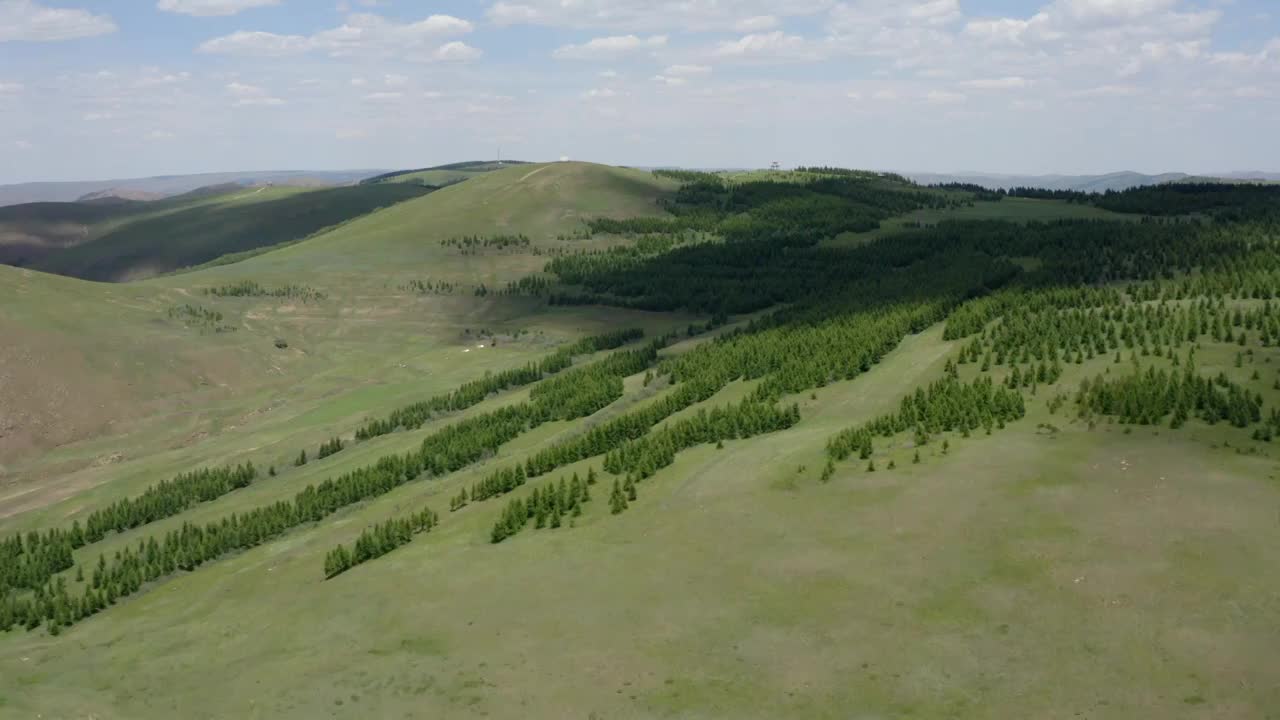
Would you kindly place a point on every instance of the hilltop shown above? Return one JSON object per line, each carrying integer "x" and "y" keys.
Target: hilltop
{"x": 442, "y": 175}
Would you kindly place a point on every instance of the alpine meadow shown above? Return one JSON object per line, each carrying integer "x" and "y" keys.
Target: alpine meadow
{"x": 672, "y": 436}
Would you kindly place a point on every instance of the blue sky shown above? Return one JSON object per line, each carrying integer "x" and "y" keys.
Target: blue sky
{"x": 123, "y": 88}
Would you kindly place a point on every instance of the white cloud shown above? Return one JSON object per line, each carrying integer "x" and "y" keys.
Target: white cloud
{"x": 603, "y": 48}
{"x": 392, "y": 80}
{"x": 1107, "y": 91}
{"x": 608, "y": 74}
{"x": 757, "y": 23}
{"x": 256, "y": 43}
{"x": 11, "y": 88}
{"x": 361, "y": 34}
{"x": 687, "y": 70}
{"x": 1108, "y": 11}
{"x": 1268, "y": 56}
{"x": 350, "y": 134}
{"x": 1107, "y": 22}
{"x": 33, "y": 22}
{"x": 249, "y": 95}
{"x": 943, "y": 97}
{"x": 157, "y": 79}
{"x": 776, "y": 45}
{"x": 1011, "y": 82}
{"x": 22, "y": 145}
{"x": 99, "y": 116}
{"x": 384, "y": 97}
{"x": 669, "y": 81}
{"x": 905, "y": 29}
{"x": 998, "y": 30}
{"x": 600, "y": 94}
{"x": 456, "y": 52}
{"x": 860, "y": 16}
{"x": 211, "y": 8}
{"x": 654, "y": 15}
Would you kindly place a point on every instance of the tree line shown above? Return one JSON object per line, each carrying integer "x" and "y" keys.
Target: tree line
{"x": 413, "y": 416}
{"x": 378, "y": 541}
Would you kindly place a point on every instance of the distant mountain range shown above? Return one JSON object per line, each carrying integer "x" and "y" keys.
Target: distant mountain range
{"x": 152, "y": 188}
{"x": 1084, "y": 183}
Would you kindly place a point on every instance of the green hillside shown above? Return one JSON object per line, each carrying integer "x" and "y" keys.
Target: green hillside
{"x": 548, "y": 203}
{"x": 33, "y": 231}
{"x": 568, "y": 440}
{"x": 442, "y": 175}
{"x": 228, "y": 222}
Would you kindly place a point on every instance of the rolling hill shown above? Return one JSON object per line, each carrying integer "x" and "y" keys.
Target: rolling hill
{"x": 118, "y": 240}
{"x": 442, "y": 175}
{"x": 567, "y": 440}
{"x": 167, "y": 185}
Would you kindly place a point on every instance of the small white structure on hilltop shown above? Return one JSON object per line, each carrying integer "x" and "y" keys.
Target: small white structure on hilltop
{"x": 564, "y": 158}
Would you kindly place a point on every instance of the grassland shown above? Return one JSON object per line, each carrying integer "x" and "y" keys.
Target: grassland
{"x": 1025, "y": 574}
{"x": 103, "y": 364}
{"x": 1074, "y": 571}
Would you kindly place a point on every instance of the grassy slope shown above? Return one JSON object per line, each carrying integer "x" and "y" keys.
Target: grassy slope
{"x": 240, "y": 221}
{"x": 403, "y": 242}
{"x": 442, "y": 175}
{"x": 33, "y": 231}
{"x": 74, "y": 419}
{"x": 1022, "y": 575}
{"x": 82, "y": 359}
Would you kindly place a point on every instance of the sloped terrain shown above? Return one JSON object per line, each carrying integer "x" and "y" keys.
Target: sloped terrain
{"x": 962, "y": 468}
{"x": 145, "y": 241}
{"x": 442, "y": 175}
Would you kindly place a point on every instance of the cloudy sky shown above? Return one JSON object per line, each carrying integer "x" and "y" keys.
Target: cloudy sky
{"x": 121, "y": 88}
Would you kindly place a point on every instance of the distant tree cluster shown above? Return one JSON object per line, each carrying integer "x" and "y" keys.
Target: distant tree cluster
{"x": 1226, "y": 202}
{"x": 251, "y": 288}
{"x": 947, "y": 405}
{"x": 413, "y": 416}
{"x": 686, "y": 176}
{"x": 429, "y": 287}
{"x": 330, "y": 447}
{"x": 377, "y": 541}
{"x": 1147, "y": 398}
{"x": 29, "y": 561}
{"x": 546, "y": 507}
{"x": 473, "y": 244}
{"x": 201, "y": 318}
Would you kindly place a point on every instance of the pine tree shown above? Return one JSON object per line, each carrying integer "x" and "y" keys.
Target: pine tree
{"x": 617, "y": 501}
{"x": 828, "y": 471}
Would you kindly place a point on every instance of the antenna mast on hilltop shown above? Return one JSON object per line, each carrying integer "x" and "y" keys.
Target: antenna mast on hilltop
{"x": 499, "y": 156}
